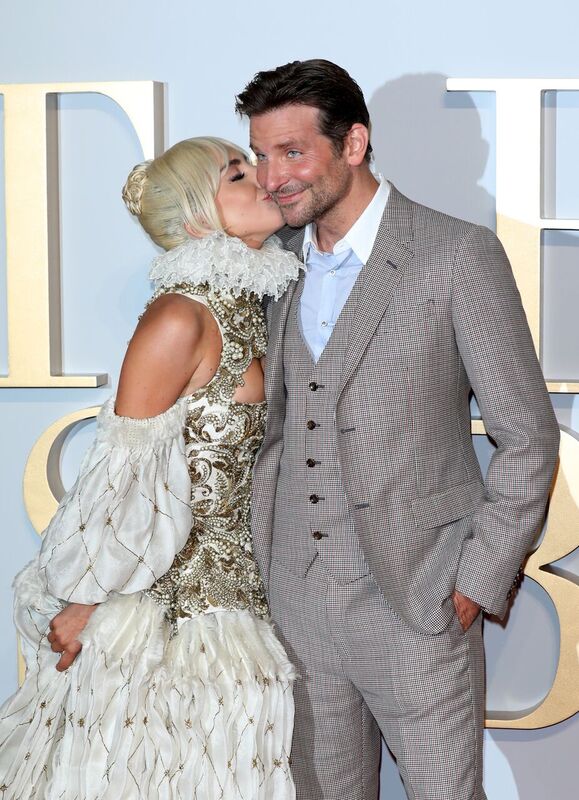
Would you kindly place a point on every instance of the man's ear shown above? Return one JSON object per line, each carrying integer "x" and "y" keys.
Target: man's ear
{"x": 356, "y": 143}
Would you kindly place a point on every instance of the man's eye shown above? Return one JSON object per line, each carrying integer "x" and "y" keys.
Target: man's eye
{"x": 259, "y": 157}
{"x": 238, "y": 176}
{"x": 293, "y": 153}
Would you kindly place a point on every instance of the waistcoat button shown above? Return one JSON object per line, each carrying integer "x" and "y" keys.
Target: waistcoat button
{"x": 311, "y": 462}
{"x": 310, "y": 424}
{"x": 313, "y": 386}
{"x": 314, "y": 498}
{"x": 317, "y": 535}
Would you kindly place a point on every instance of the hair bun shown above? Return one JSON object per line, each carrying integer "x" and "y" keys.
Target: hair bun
{"x": 133, "y": 188}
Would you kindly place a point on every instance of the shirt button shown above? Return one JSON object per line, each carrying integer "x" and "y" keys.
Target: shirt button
{"x": 313, "y": 386}
{"x": 314, "y": 499}
{"x": 324, "y": 324}
{"x": 317, "y": 535}
{"x": 311, "y": 462}
{"x": 332, "y": 272}
{"x": 310, "y": 424}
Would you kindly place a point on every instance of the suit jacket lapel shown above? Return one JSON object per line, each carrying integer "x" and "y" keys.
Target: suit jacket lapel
{"x": 384, "y": 270}
{"x": 292, "y": 240}
{"x": 274, "y": 358}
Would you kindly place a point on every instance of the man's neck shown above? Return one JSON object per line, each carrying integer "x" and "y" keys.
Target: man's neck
{"x": 334, "y": 225}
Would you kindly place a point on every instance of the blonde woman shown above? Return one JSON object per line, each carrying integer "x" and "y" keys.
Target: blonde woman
{"x": 152, "y": 669}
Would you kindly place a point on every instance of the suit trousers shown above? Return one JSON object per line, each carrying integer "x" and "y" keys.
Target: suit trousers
{"x": 364, "y": 671}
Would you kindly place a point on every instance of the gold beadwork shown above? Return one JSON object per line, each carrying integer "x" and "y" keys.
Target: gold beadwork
{"x": 216, "y": 567}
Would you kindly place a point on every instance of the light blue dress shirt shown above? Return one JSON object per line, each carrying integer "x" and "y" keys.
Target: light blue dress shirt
{"x": 327, "y": 285}
{"x": 330, "y": 277}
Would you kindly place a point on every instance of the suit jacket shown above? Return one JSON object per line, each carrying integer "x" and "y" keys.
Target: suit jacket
{"x": 439, "y": 313}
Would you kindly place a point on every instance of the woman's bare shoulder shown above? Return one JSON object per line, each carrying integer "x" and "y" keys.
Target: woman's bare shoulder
{"x": 167, "y": 347}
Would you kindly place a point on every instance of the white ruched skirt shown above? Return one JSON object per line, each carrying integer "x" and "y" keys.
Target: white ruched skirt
{"x": 143, "y": 715}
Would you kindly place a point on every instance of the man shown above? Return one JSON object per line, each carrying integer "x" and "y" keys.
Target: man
{"x": 378, "y": 540}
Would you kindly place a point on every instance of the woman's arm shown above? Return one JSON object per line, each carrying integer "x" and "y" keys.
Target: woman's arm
{"x": 168, "y": 347}
{"x": 171, "y": 345}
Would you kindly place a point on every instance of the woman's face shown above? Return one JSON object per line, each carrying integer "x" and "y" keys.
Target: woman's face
{"x": 245, "y": 209}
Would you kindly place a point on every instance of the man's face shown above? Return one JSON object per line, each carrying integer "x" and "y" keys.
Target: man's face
{"x": 297, "y": 164}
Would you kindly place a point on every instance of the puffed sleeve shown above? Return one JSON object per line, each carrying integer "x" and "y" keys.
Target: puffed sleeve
{"x": 128, "y": 514}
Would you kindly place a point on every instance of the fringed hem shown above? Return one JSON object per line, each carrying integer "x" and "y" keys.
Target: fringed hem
{"x": 206, "y": 713}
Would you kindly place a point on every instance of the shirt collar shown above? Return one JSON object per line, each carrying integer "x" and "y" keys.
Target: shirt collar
{"x": 362, "y": 235}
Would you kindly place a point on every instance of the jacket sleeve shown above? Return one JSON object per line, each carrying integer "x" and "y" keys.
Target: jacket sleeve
{"x": 499, "y": 357}
{"x": 128, "y": 514}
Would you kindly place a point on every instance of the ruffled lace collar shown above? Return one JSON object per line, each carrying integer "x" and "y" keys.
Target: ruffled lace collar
{"x": 228, "y": 264}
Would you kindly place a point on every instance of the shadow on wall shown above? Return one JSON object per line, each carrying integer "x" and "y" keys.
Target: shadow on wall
{"x": 428, "y": 142}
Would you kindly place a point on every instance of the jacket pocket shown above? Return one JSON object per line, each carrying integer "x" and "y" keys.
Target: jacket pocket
{"x": 440, "y": 508}
{"x": 412, "y": 315}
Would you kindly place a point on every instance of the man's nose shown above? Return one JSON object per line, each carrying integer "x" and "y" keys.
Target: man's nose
{"x": 270, "y": 176}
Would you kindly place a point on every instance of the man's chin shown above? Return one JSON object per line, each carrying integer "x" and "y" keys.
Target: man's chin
{"x": 294, "y": 218}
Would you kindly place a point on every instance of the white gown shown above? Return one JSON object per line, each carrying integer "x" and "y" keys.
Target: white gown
{"x": 181, "y": 690}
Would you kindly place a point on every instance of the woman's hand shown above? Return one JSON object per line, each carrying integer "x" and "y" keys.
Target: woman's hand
{"x": 65, "y": 629}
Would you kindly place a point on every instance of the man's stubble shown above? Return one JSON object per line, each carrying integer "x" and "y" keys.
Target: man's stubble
{"x": 321, "y": 200}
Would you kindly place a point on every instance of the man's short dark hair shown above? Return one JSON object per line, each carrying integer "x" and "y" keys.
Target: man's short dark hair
{"x": 317, "y": 83}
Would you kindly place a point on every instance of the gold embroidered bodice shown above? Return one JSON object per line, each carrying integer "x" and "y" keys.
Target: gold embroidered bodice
{"x": 216, "y": 567}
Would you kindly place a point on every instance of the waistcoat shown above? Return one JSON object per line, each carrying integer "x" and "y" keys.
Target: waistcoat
{"x": 312, "y": 518}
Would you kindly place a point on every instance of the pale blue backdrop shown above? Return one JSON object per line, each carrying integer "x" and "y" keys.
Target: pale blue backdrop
{"x": 438, "y": 148}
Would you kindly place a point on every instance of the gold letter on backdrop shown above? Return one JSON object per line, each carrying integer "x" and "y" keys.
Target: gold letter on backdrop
{"x": 522, "y": 209}
{"x": 32, "y": 218}
{"x": 521, "y": 217}
{"x": 560, "y": 539}
{"x": 42, "y": 484}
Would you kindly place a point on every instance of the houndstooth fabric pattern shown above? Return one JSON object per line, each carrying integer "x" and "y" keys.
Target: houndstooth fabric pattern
{"x": 363, "y": 670}
{"x": 311, "y": 515}
{"x": 438, "y": 313}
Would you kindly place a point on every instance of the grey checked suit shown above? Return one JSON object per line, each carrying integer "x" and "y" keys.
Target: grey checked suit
{"x": 434, "y": 312}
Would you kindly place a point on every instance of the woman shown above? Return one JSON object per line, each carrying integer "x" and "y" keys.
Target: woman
{"x": 181, "y": 689}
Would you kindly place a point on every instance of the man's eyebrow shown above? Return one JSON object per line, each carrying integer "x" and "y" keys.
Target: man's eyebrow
{"x": 285, "y": 145}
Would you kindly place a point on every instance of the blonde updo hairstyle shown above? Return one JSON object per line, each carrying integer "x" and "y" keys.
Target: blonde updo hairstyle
{"x": 178, "y": 189}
